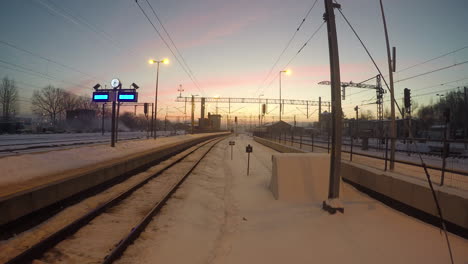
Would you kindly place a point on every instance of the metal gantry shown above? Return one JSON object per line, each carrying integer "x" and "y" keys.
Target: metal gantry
{"x": 254, "y": 101}
{"x": 265, "y": 101}
{"x": 378, "y": 90}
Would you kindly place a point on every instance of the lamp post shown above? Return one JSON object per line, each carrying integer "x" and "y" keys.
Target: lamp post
{"x": 440, "y": 97}
{"x": 288, "y": 72}
{"x": 164, "y": 61}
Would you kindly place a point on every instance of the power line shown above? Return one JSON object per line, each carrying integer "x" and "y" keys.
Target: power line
{"x": 167, "y": 45}
{"x": 38, "y": 74}
{"x": 435, "y": 58}
{"x": 45, "y": 58}
{"x": 429, "y": 72}
{"x": 299, "y": 51}
{"x": 424, "y": 62}
{"x": 441, "y": 84}
{"x": 78, "y": 20}
{"x": 172, "y": 42}
{"x": 287, "y": 46}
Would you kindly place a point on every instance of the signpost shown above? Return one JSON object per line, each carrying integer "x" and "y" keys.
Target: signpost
{"x": 117, "y": 94}
{"x": 249, "y": 150}
{"x": 232, "y": 143}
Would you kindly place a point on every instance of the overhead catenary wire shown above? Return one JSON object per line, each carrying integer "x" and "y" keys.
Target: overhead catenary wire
{"x": 46, "y": 59}
{"x": 433, "y": 59}
{"x": 424, "y": 62}
{"x": 36, "y": 73}
{"x": 416, "y": 89}
{"x": 169, "y": 47}
{"x": 172, "y": 42}
{"x": 287, "y": 46}
{"x": 432, "y": 71}
{"x": 80, "y": 21}
{"x": 299, "y": 51}
{"x": 436, "y": 201}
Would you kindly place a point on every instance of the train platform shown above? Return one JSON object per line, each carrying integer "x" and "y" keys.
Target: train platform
{"x": 222, "y": 215}
{"x": 34, "y": 181}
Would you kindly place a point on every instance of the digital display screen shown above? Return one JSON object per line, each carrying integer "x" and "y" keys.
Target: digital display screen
{"x": 126, "y": 97}
{"x": 101, "y": 97}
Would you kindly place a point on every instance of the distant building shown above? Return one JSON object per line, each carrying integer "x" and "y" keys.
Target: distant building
{"x": 215, "y": 121}
{"x": 273, "y": 129}
{"x": 212, "y": 123}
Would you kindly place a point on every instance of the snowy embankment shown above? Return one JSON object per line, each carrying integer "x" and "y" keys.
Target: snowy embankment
{"x": 29, "y": 170}
{"x": 221, "y": 215}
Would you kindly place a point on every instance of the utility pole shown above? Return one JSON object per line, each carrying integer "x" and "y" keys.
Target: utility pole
{"x": 229, "y": 115}
{"x": 280, "y": 102}
{"x": 332, "y": 204}
{"x": 466, "y": 113}
{"x": 392, "y": 93}
{"x": 357, "y": 119}
{"x": 117, "y": 122}
{"x": 102, "y": 119}
{"x": 320, "y": 109}
{"x": 193, "y": 114}
{"x": 180, "y": 90}
{"x": 113, "y": 120}
{"x": 152, "y": 119}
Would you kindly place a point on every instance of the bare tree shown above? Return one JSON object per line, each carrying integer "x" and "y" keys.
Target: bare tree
{"x": 50, "y": 101}
{"x": 8, "y": 98}
{"x": 367, "y": 115}
{"x": 85, "y": 102}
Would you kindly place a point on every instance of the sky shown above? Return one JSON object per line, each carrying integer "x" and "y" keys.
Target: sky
{"x": 230, "y": 47}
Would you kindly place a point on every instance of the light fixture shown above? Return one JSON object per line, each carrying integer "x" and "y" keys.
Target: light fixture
{"x": 135, "y": 86}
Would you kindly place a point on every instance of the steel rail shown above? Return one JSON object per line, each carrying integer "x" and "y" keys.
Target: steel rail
{"x": 136, "y": 231}
{"x": 42, "y": 246}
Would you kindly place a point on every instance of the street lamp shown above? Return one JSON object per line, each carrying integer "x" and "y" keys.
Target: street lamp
{"x": 288, "y": 72}
{"x": 164, "y": 61}
{"x": 440, "y": 97}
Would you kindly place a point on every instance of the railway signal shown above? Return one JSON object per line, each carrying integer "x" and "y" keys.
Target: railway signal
{"x": 407, "y": 98}
{"x": 232, "y": 143}
{"x": 117, "y": 94}
{"x": 249, "y": 150}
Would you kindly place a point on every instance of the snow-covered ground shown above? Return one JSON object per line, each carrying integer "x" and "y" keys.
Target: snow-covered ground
{"x": 221, "y": 215}
{"x": 14, "y": 144}
{"x": 28, "y": 170}
{"x": 107, "y": 229}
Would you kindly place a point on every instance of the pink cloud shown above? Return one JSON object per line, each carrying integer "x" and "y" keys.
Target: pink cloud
{"x": 303, "y": 75}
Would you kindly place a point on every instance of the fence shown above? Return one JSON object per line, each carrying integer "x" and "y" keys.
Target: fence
{"x": 444, "y": 156}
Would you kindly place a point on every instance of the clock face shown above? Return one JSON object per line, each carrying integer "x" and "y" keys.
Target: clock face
{"x": 115, "y": 83}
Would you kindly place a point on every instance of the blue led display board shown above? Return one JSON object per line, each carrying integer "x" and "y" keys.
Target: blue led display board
{"x": 102, "y": 97}
{"x": 127, "y": 96}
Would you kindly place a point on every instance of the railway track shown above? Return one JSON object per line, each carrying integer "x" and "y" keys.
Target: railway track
{"x": 13, "y": 149}
{"x": 103, "y": 233}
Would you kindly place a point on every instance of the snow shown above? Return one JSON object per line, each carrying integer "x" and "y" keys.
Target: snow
{"x": 14, "y": 144}
{"x": 29, "y": 170}
{"x": 122, "y": 219}
{"x": 221, "y": 215}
